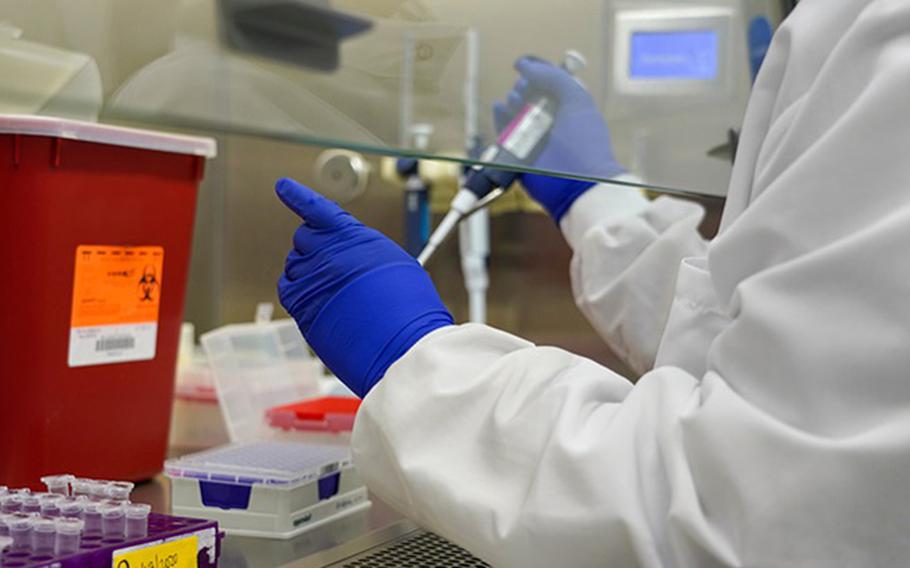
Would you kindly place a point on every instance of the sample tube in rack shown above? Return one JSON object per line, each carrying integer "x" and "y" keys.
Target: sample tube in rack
{"x": 72, "y": 507}
{"x": 58, "y": 484}
{"x": 91, "y": 514}
{"x": 50, "y": 504}
{"x": 10, "y": 503}
{"x": 119, "y": 490}
{"x": 98, "y": 490}
{"x": 31, "y": 504}
{"x": 69, "y": 536}
{"x": 82, "y": 486}
{"x": 20, "y": 531}
{"x": 113, "y": 520}
{"x": 44, "y": 534}
{"x": 137, "y": 520}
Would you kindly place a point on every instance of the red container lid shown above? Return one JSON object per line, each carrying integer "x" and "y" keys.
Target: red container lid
{"x": 105, "y": 134}
{"x": 329, "y": 413}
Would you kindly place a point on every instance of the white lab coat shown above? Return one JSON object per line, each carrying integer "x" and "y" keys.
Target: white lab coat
{"x": 774, "y": 428}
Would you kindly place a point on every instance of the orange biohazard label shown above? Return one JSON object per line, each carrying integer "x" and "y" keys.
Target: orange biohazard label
{"x": 116, "y": 298}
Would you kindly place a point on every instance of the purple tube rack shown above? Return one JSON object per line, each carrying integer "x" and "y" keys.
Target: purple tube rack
{"x": 97, "y": 551}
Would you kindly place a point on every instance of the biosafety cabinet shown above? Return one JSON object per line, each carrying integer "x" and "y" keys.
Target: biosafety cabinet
{"x": 331, "y": 92}
{"x": 327, "y": 86}
{"x": 273, "y": 79}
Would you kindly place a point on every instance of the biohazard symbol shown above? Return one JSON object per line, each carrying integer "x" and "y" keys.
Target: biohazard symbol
{"x": 148, "y": 284}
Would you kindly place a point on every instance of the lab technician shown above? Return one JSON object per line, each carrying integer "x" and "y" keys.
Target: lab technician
{"x": 771, "y": 423}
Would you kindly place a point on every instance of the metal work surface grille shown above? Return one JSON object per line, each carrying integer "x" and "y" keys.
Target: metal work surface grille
{"x": 423, "y": 550}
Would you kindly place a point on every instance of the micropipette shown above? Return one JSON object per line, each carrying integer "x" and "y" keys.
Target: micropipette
{"x": 517, "y": 145}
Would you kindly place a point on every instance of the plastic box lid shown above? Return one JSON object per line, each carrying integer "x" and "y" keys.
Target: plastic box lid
{"x": 256, "y": 367}
{"x": 105, "y": 134}
{"x": 273, "y": 463}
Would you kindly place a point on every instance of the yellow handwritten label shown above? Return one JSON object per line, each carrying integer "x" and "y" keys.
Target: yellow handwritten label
{"x": 175, "y": 554}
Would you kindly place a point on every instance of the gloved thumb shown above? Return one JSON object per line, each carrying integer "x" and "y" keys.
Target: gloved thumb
{"x": 317, "y": 211}
{"x": 548, "y": 78}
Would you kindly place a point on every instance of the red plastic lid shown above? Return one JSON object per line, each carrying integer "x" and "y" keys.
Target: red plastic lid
{"x": 329, "y": 414}
{"x": 320, "y": 408}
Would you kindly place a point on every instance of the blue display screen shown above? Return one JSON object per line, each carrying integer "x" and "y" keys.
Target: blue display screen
{"x": 676, "y": 55}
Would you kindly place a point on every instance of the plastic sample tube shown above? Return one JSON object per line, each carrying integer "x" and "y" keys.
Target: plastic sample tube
{"x": 98, "y": 490}
{"x": 91, "y": 514}
{"x": 10, "y": 503}
{"x": 81, "y": 486}
{"x": 119, "y": 490}
{"x": 59, "y": 484}
{"x": 20, "y": 531}
{"x": 50, "y": 509}
{"x": 44, "y": 535}
{"x": 50, "y": 504}
{"x": 113, "y": 520}
{"x": 137, "y": 520}
{"x": 4, "y": 525}
{"x": 30, "y": 504}
{"x": 71, "y": 508}
{"x": 68, "y": 536}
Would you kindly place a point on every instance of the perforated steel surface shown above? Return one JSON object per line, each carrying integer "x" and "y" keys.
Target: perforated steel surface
{"x": 422, "y": 550}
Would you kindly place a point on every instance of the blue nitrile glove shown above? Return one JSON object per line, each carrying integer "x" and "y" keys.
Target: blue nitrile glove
{"x": 360, "y": 300}
{"x": 579, "y": 142}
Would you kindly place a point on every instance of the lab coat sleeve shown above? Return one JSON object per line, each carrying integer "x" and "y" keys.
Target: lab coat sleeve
{"x": 627, "y": 254}
{"x": 791, "y": 449}
{"x": 527, "y": 456}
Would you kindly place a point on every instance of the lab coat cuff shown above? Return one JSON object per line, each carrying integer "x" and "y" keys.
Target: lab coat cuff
{"x": 603, "y": 204}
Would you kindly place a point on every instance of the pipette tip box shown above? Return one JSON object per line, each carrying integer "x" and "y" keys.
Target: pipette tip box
{"x": 271, "y": 489}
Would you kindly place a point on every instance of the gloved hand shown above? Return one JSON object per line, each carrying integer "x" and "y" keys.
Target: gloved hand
{"x": 579, "y": 142}
{"x": 360, "y": 300}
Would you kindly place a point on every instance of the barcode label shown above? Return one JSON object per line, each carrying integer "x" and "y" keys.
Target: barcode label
{"x": 115, "y": 343}
{"x": 100, "y": 345}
